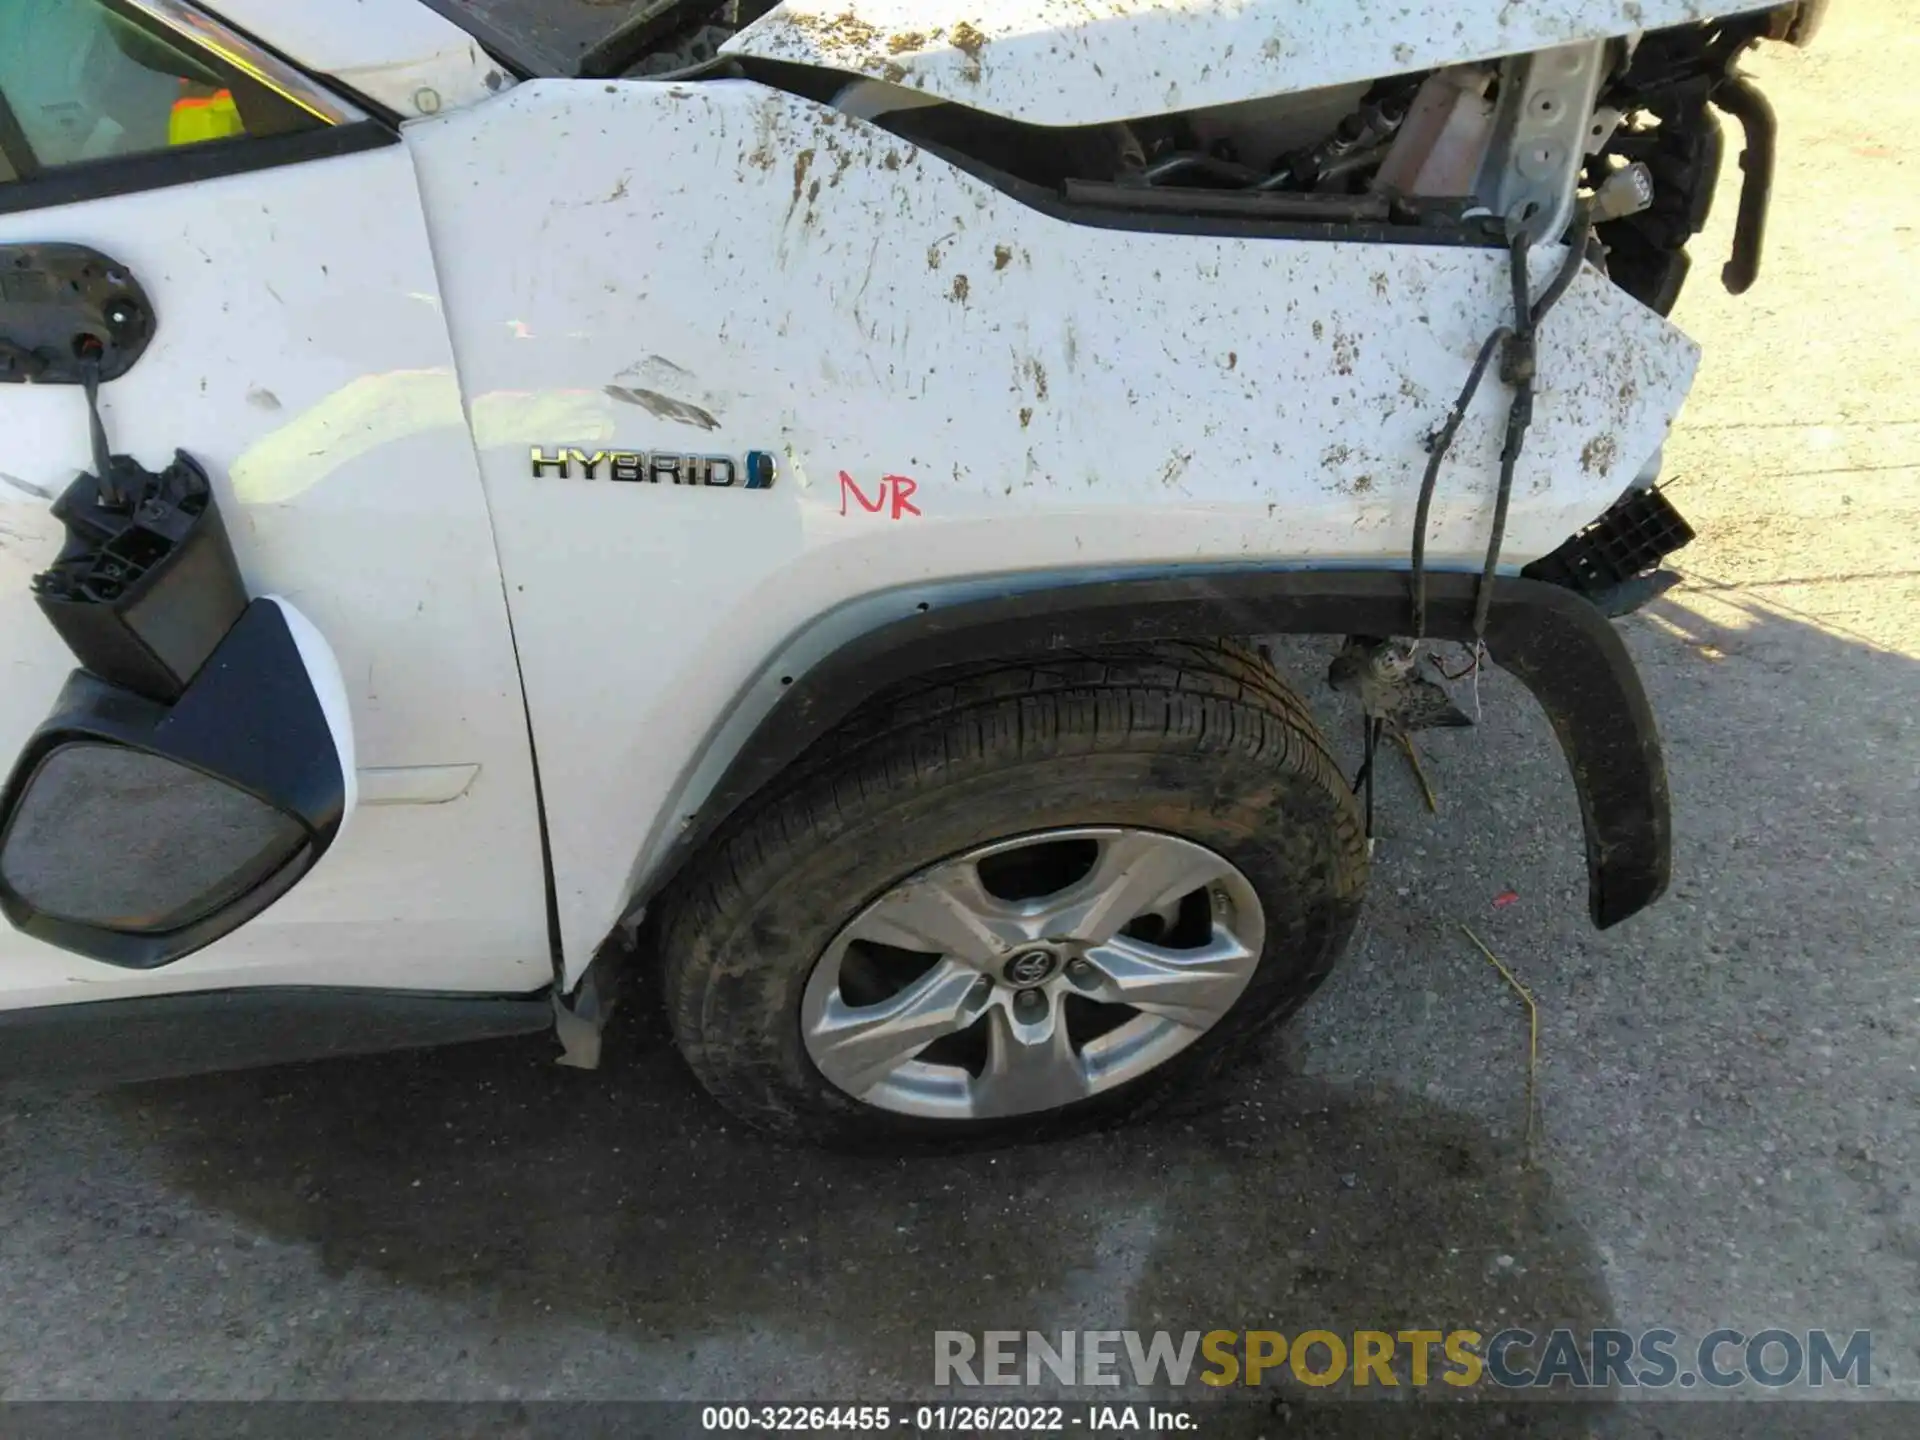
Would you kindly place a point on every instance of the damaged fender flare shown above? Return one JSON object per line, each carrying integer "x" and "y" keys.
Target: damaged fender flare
{"x": 1555, "y": 642}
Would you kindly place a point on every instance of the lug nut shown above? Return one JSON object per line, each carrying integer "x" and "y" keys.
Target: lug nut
{"x": 1030, "y": 999}
{"x": 1079, "y": 970}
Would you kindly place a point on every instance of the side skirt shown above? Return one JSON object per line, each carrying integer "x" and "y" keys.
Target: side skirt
{"x": 115, "y": 1042}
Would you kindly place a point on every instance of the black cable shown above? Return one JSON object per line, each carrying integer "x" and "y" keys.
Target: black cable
{"x": 1366, "y": 752}
{"x": 1519, "y": 417}
{"x": 1519, "y": 363}
{"x": 1577, "y": 240}
{"x": 1436, "y": 454}
{"x": 108, "y": 491}
{"x": 1518, "y": 367}
{"x": 1374, "y": 726}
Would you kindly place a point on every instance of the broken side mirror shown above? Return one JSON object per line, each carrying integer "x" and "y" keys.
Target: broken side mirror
{"x": 147, "y": 584}
{"x": 136, "y": 832}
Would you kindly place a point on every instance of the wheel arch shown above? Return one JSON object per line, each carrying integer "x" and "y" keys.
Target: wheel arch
{"x": 1557, "y": 644}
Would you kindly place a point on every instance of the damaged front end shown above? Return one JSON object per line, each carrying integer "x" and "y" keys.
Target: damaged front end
{"x": 1429, "y": 124}
{"x": 1606, "y": 141}
{"x": 1307, "y": 316}
{"x": 1477, "y": 126}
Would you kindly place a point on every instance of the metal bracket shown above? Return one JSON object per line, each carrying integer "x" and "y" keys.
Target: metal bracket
{"x": 1540, "y": 138}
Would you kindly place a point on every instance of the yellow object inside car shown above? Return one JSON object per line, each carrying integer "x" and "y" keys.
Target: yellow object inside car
{"x": 198, "y": 117}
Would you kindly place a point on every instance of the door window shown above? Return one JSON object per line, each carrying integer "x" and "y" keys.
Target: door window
{"x": 93, "y": 80}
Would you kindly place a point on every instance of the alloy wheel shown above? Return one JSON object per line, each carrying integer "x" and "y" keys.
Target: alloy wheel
{"x": 1031, "y": 973}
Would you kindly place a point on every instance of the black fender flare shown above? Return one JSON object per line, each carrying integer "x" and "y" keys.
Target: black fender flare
{"x": 1555, "y": 642}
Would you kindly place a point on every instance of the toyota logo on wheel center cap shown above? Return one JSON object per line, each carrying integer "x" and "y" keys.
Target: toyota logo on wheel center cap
{"x": 1030, "y": 967}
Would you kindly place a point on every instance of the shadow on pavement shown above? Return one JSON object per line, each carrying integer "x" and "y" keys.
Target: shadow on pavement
{"x": 1369, "y": 1194}
{"x": 622, "y": 1201}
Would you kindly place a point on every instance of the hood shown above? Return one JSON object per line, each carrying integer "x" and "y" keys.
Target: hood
{"x": 1084, "y": 62}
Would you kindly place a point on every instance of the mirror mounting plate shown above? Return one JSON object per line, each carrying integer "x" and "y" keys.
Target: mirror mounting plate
{"x": 62, "y": 304}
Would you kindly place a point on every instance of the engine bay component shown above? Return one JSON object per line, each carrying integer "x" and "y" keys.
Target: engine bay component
{"x": 665, "y": 36}
{"x": 1627, "y": 191}
{"x": 1467, "y": 153}
{"x": 1546, "y": 105}
{"x": 1357, "y": 143}
{"x": 1440, "y": 147}
{"x": 1667, "y": 95}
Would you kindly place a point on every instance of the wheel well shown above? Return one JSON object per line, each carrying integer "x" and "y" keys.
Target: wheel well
{"x": 1556, "y": 643}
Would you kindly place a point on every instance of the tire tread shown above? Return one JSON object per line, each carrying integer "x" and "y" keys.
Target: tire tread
{"x": 1219, "y": 697}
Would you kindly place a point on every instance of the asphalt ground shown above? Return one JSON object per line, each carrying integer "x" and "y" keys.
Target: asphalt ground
{"x": 1727, "y": 1097}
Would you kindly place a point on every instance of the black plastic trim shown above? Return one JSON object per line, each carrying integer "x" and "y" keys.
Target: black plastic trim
{"x": 628, "y": 42}
{"x": 188, "y": 165}
{"x": 14, "y": 148}
{"x": 1742, "y": 99}
{"x": 117, "y": 1042}
{"x": 1808, "y": 17}
{"x": 1555, "y": 642}
{"x": 1057, "y": 206}
{"x": 1266, "y": 206}
{"x": 1097, "y": 206}
{"x": 526, "y": 59}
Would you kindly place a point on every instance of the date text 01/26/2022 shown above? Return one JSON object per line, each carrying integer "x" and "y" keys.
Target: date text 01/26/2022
{"x": 935, "y": 1419}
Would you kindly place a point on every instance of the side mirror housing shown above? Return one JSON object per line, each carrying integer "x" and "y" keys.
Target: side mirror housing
{"x": 135, "y": 832}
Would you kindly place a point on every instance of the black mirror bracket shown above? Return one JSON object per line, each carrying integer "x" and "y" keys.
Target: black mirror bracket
{"x": 146, "y": 584}
{"x": 195, "y": 684}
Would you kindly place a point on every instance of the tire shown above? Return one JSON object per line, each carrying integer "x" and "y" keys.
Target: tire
{"x": 1200, "y": 742}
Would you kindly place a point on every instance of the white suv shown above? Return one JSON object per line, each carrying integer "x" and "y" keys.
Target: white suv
{"x": 790, "y": 520}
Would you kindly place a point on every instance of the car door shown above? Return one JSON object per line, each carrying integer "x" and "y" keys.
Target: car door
{"x": 301, "y": 357}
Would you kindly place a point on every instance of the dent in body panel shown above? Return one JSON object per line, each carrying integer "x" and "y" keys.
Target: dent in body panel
{"x": 680, "y": 412}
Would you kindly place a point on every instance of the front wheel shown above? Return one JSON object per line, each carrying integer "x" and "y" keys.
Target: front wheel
{"x": 1018, "y": 900}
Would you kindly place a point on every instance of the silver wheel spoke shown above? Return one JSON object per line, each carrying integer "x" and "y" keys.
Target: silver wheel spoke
{"x": 1031, "y": 1065}
{"x": 1010, "y": 962}
{"x": 1137, "y": 872}
{"x": 1193, "y": 988}
{"x": 856, "y": 1047}
{"x": 943, "y": 912}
